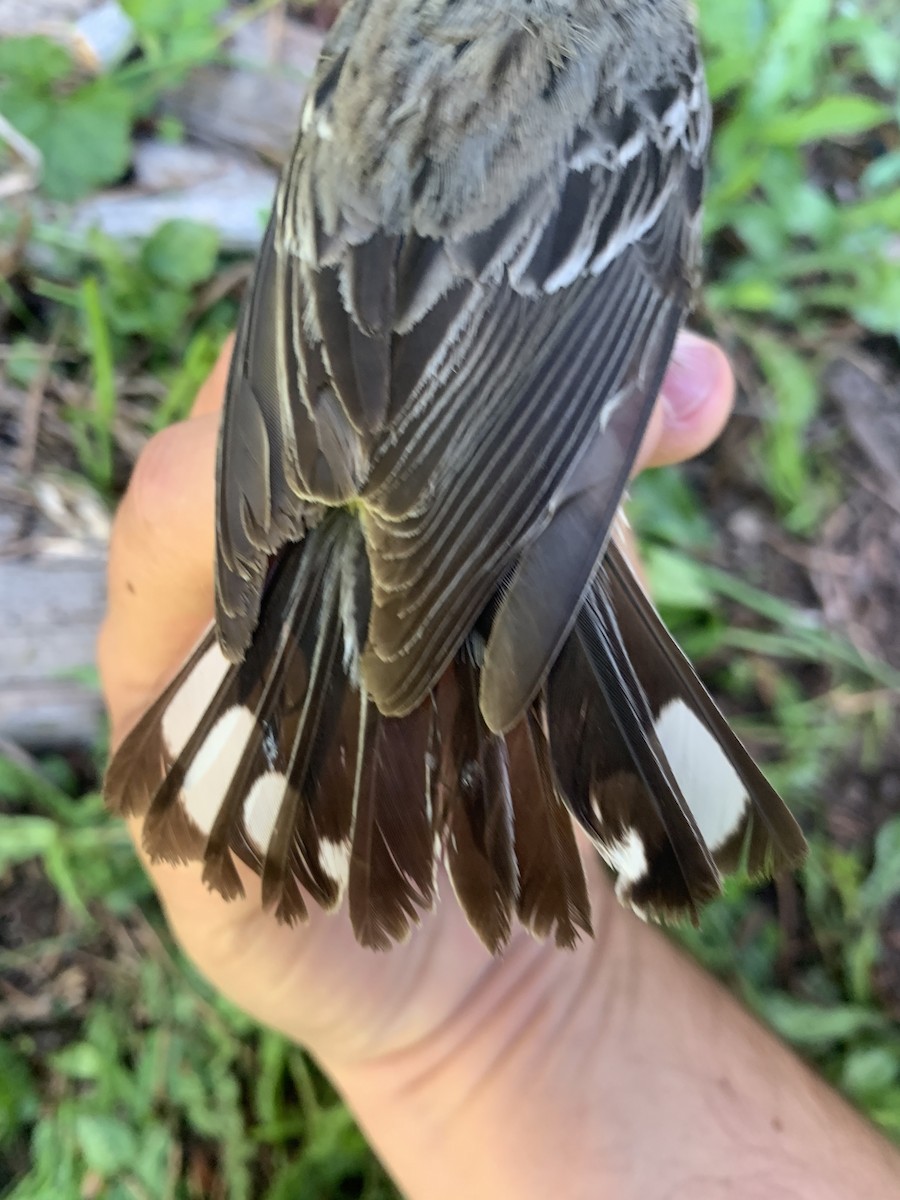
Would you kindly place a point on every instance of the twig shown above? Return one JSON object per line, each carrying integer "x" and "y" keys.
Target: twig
{"x": 874, "y": 489}
{"x": 229, "y": 280}
{"x": 20, "y": 758}
{"x": 23, "y": 178}
{"x": 812, "y": 558}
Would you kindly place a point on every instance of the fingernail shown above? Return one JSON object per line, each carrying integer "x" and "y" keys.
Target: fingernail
{"x": 690, "y": 380}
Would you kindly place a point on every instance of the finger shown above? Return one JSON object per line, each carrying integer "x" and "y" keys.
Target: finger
{"x": 210, "y": 397}
{"x": 695, "y": 402}
{"x": 160, "y": 583}
{"x": 160, "y": 591}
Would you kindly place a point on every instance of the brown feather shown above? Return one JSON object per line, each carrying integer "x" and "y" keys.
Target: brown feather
{"x": 477, "y": 819}
{"x": 552, "y": 898}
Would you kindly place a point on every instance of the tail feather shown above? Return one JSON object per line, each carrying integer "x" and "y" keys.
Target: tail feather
{"x": 280, "y": 762}
{"x": 614, "y": 775}
{"x": 739, "y": 813}
{"x": 283, "y": 762}
{"x": 553, "y": 897}
{"x": 261, "y": 785}
{"x": 392, "y": 863}
{"x": 477, "y": 817}
{"x": 312, "y": 683}
{"x": 146, "y": 755}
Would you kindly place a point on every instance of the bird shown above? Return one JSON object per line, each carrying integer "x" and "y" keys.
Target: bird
{"x": 431, "y": 657}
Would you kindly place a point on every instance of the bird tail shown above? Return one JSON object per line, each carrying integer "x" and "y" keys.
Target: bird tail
{"x": 280, "y": 760}
{"x": 647, "y": 763}
{"x": 283, "y": 762}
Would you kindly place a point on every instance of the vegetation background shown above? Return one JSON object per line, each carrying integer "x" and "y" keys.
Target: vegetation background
{"x": 776, "y": 560}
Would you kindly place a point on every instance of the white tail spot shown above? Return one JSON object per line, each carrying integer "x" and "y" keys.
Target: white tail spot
{"x": 334, "y": 859}
{"x": 713, "y": 789}
{"x": 628, "y": 859}
{"x": 214, "y": 764}
{"x": 261, "y": 808}
{"x": 192, "y": 699}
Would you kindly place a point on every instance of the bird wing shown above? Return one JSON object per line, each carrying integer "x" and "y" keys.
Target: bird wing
{"x": 480, "y": 396}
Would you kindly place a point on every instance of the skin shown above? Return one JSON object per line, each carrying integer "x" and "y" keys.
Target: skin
{"x": 617, "y": 1070}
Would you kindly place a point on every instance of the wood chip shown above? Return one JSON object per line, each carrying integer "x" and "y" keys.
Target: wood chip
{"x": 52, "y": 608}
{"x": 214, "y": 187}
{"x": 253, "y": 105}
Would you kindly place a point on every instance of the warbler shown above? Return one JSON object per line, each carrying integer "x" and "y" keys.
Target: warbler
{"x": 427, "y": 647}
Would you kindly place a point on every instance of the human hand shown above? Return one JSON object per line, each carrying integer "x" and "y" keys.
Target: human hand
{"x": 313, "y": 982}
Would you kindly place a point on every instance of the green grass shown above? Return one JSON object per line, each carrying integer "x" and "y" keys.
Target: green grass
{"x": 153, "y": 1086}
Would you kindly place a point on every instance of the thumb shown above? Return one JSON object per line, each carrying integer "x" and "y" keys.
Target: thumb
{"x": 695, "y": 402}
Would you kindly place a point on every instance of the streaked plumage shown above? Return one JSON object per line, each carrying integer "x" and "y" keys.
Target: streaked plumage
{"x": 479, "y": 257}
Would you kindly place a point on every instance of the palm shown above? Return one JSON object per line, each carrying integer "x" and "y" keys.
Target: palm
{"x": 315, "y": 984}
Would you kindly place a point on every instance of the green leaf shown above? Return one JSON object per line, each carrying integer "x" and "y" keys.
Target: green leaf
{"x": 195, "y": 366}
{"x": 675, "y": 581}
{"x": 732, "y": 32}
{"x": 877, "y": 43}
{"x": 870, "y": 1071}
{"x": 883, "y": 883}
{"x": 811, "y": 1025}
{"x": 181, "y": 253}
{"x": 336, "y": 1154}
{"x": 174, "y": 37}
{"x": 35, "y": 62}
{"x": 108, "y": 1145}
{"x": 791, "y": 60}
{"x": 887, "y": 1112}
{"x": 878, "y": 210}
{"x": 883, "y": 172}
{"x": 786, "y": 462}
{"x": 664, "y": 506}
{"x": 170, "y": 18}
{"x": 95, "y": 430}
{"x": 876, "y": 301}
{"x": 23, "y": 838}
{"x": 24, "y": 361}
{"x": 757, "y": 295}
{"x": 81, "y": 1061}
{"x": 158, "y": 1151}
{"x": 18, "y": 1092}
{"x": 832, "y": 117}
{"x": 84, "y": 136}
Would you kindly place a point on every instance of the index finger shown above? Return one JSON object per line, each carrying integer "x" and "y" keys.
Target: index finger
{"x": 211, "y": 395}
{"x": 160, "y": 572}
